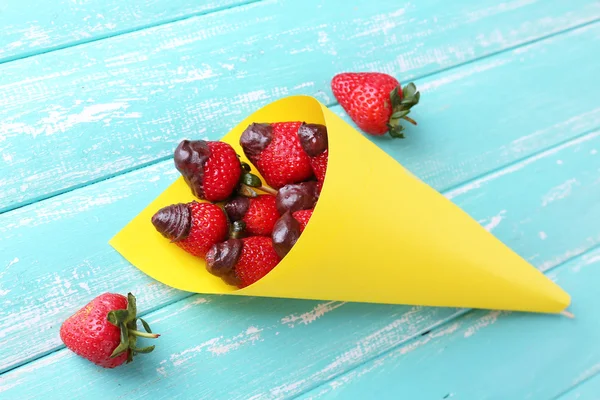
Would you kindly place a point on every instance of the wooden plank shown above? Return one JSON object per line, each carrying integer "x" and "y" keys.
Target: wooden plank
{"x": 492, "y": 354}
{"x": 86, "y": 113}
{"x": 27, "y": 30}
{"x": 245, "y": 339}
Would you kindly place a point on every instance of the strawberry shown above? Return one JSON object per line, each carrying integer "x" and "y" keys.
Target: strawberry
{"x": 287, "y": 230}
{"x": 105, "y": 331}
{"x": 313, "y": 138}
{"x": 194, "y": 226}
{"x": 275, "y": 151}
{"x": 211, "y": 169}
{"x": 242, "y": 262}
{"x": 302, "y": 216}
{"x": 258, "y": 214}
{"x": 375, "y": 101}
{"x": 297, "y": 196}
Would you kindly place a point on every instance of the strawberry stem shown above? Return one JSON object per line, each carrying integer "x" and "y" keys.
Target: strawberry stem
{"x": 143, "y": 334}
{"x": 267, "y": 189}
{"x": 409, "y": 119}
{"x": 126, "y": 321}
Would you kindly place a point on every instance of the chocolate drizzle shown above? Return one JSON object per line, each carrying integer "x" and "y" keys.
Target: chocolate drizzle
{"x": 285, "y": 234}
{"x": 190, "y": 156}
{"x": 237, "y": 207}
{"x": 297, "y": 196}
{"x": 221, "y": 260}
{"x": 255, "y": 139}
{"x": 313, "y": 138}
{"x": 173, "y": 222}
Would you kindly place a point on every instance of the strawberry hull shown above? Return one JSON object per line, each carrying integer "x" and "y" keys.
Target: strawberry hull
{"x": 427, "y": 252}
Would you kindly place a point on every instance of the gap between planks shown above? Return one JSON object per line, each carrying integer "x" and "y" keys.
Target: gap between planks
{"x": 329, "y": 105}
{"x": 98, "y": 38}
{"x": 423, "y": 332}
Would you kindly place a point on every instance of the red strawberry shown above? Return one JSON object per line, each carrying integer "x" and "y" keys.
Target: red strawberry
{"x": 287, "y": 230}
{"x": 194, "y": 226}
{"x": 303, "y": 216}
{"x": 313, "y": 138}
{"x": 242, "y": 262}
{"x": 105, "y": 331}
{"x": 375, "y": 101}
{"x": 258, "y": 214}
{"x": 275, "y": 151}
{"x": 211, "y": 169}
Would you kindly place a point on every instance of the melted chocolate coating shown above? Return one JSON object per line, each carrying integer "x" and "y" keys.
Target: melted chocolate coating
{"x": 190, "y": 156}
{"x": 237, "y": 207}
{"x": 173, "y": 222}
{"x": 255, "y": 139}
{"x": 222, "y": 257}
{"x": 297, "y": 196}
{"x": 313, "y": 138}
{"x": 285, "y": 234}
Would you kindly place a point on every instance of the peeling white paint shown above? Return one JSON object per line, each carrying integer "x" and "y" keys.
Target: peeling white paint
{"x": 559, "y": 192}
{"x": 483, "y": 322}
{"x": 311, "y": 316}
{"x": 518, "y": 166}
{"x": 493, "y": 222}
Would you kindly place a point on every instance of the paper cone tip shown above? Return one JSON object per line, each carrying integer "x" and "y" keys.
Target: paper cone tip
{"x": 567, "y": 314}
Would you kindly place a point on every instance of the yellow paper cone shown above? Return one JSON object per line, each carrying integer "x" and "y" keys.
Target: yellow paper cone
{"x": 377, "y": 235}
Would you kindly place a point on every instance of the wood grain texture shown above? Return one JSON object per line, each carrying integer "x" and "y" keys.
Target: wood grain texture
{"x": 75, "y": 116}
{"x": 491, "y": 355}
{"x": 27, "y": 30}
{"x": 246, "y": 339}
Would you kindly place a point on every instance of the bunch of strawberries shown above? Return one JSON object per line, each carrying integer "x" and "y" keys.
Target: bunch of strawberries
{"x": 242, "y": 228}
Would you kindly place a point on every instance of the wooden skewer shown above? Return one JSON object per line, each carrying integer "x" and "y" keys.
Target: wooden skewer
{"x": 567, "y": 314}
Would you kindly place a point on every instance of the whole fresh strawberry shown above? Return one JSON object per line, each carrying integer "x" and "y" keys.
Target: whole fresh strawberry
{"x": 275, "y": 151}
{"x": 105, "y": 331}
{"x": 258, "y": 214}
{"x": 287, "y": 230}
{"x": 375, "y": 101}
{"x": 313, "y": 138}
{"x": 242, "y": 262}
{"x": 194, "y": 226}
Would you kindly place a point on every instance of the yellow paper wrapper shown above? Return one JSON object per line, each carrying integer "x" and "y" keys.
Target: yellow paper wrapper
{"x": 377, "y": 235}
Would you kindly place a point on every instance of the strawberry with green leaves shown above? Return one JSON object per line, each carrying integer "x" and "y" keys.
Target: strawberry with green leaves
{"x": 194, "y": 226}
{"x": 105, "y": 331}
{"x": 375, "y": 101}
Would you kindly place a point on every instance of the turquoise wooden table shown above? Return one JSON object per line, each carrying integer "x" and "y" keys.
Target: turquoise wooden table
{"x": 95, "y": 94}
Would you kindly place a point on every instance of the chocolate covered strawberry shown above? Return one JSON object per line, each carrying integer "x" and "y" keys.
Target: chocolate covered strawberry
{"x": 313, "y": 138}
{"x": 297, "y": 196}
{"x": 303, "y": 216}
{"x": 258, "y": 214}
{"x": 105, "y": 331}
{"x": 287, "y": 230}
{"x": 194, "y": 226}
{"x": 275, "y": 151}
{"x": 375, "y": 101}
{"x": 241, "y": 262}
{"x": 213, "y": 170}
